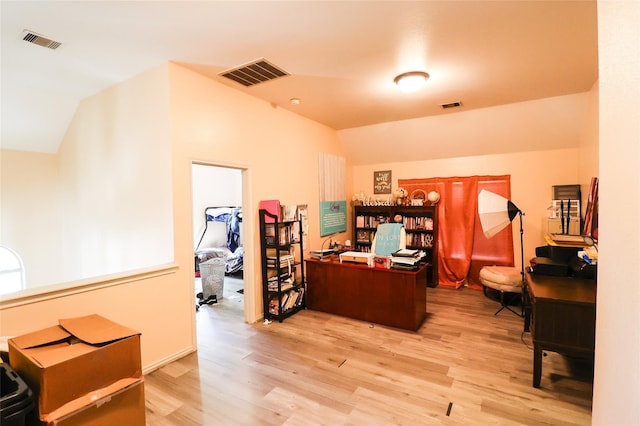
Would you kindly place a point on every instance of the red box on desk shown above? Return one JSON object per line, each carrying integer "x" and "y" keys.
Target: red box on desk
{"x": 382, "y": 262}
{"x": 73, "y": 365}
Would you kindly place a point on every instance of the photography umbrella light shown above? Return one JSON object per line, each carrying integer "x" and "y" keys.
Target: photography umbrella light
{"x": 496, "y": 212}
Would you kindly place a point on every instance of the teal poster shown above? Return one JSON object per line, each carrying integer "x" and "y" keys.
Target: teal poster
{"x": 333, "y": 217}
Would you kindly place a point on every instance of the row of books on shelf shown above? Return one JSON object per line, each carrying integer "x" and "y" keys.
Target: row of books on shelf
{"x": 289, "y": 300}
{"x": 286, "y": 283}
{"x": 420, "y": 240}
{"x": 286, "y": 261}
{"x": 370, "y": 221}
{"x": 286, "y": 234}
{"x": 418, "y": 223}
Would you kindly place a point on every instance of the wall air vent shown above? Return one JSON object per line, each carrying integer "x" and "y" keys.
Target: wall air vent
{"x": 255, "y": 72}
{"x": 451, "y": 105}
{"x": 40, "y": 40}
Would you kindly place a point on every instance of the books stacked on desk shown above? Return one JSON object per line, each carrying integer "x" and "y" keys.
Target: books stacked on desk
{"x": 321, "y": 254}
{"x": 407, "y": 259}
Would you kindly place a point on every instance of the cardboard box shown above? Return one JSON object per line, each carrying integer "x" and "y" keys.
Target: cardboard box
{"x": 122, "y": 407}
{"x": 73, "y": 364}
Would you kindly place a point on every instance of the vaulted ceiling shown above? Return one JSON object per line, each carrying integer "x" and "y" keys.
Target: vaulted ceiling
{"x": 341, "y": 56}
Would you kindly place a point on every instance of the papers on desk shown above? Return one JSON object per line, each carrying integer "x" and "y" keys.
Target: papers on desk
{"x": 589, "y": 255}
{"x": 407, "y": 259}
{"x": 406, "y": 253}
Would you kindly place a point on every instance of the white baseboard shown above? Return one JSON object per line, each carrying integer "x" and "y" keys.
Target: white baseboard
{"x": 173, "y": 357}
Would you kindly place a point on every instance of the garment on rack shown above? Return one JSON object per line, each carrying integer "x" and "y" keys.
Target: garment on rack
{"x": 232, "y": 220}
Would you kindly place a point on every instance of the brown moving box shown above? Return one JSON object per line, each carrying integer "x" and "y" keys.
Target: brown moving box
{"x": 76, "y": 363}
{"x": 124, "y": 407}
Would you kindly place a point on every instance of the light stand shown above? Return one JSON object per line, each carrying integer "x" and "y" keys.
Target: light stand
{"x": 496, "y": 212}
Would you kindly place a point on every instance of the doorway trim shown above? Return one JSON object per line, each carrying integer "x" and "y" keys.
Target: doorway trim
{"x": 247, "y": 241}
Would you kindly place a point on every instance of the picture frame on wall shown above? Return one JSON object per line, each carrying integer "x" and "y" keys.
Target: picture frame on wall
{"x": 382, "y": 182}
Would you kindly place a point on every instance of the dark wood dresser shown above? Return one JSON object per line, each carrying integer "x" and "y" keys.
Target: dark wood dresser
{"x": 561, "y": 312}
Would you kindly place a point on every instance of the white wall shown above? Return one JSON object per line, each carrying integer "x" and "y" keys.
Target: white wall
{"x": 31, "y": 214}
{"x": 102, "y": 204}
{"x": 212, "y": 187}
{"x": 617, "y": 362}
{"x": 115, "y": 163}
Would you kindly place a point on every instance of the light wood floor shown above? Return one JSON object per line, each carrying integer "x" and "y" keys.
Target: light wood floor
{"x": 465, "y": 366}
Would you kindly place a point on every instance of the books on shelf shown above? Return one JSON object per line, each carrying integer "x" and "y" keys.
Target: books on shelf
{"x": 289, "y": 300}
{"x": 370, "y": 221}
{"x": 285, "y": 234}
{"x": 418, "y": 223}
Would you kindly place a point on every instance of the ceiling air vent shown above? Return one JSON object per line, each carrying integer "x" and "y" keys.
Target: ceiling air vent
{"x": 451, "y": 105}
{"x": 255, "y": 72}
{"x": 40, "y": 40}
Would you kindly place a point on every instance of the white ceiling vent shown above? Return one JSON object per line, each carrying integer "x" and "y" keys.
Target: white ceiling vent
{"x": 40, "y": 40}
{"x": 255, "y": 72}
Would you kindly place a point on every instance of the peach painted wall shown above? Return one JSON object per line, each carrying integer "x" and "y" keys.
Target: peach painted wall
{"x": 114, "y": 127}
{"x": 616, "y": 389}
{"x": 31, "y": 214}
{"x": 209, "y": 123}
{"x": 277, "y": 150}
{"x": 531, "y": 180}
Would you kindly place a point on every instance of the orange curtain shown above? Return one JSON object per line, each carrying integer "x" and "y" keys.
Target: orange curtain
{"x": 462, "y": 247}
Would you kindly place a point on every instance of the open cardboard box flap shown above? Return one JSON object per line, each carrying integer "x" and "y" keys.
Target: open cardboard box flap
{"x": 95, "y": 329}
{"x": 46, "y": 336}
{"x": 77, "y": 357}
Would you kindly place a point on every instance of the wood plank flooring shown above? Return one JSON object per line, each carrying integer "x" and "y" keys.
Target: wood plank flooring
{"x": 464, "y": 366}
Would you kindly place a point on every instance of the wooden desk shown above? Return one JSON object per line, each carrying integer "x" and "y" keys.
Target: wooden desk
{"x": 384, "y": 296}
{"x": 562, "y": 315}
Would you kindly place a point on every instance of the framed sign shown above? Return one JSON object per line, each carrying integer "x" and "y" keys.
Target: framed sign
{"x": 382, "y": 182}
{"x": 333, "y": 217}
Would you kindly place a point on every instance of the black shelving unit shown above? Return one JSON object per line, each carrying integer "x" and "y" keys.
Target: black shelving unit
{"x": 283, "y": 288}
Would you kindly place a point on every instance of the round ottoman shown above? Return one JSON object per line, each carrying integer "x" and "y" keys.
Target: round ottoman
{"x": 505, "y": 279}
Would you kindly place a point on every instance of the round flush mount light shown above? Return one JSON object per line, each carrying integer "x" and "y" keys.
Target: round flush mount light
{"x": 294, "y": 101}
{"x": 411, "y": 81}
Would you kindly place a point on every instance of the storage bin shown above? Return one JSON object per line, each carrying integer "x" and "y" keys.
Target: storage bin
{"x": 212, "y": 275}
{"x": 16, "y": 398}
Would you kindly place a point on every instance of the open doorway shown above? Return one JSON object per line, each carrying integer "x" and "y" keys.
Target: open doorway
{"x": 217, "y": 236}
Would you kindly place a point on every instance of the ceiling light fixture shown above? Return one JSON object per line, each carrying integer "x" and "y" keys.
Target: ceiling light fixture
{"x": 411, "y": 81}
